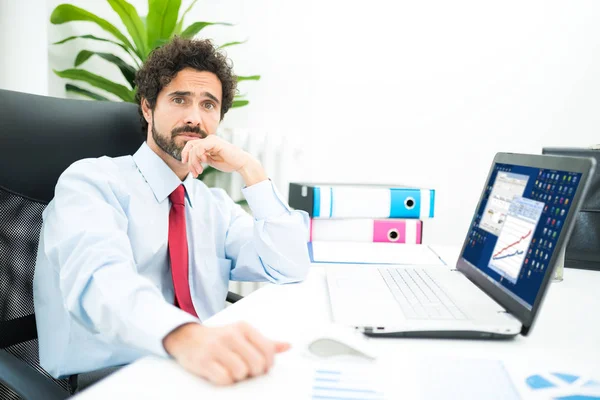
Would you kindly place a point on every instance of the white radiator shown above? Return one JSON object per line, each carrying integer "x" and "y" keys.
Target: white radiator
{"x": 279, "y": 155}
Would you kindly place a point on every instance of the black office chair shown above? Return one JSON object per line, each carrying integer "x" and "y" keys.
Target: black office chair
{"x": 39, "y": 138}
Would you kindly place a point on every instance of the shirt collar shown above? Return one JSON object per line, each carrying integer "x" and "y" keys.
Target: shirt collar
{"x": 161, "y": 179}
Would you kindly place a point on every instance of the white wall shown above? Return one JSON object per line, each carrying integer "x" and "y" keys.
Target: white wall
{"x": 425, "y": 93}
{"x": 23, "y": 44}
{"x": 420, "y": 93}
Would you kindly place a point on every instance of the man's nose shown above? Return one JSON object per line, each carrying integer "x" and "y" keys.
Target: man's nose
{"x": 193, "y": 117}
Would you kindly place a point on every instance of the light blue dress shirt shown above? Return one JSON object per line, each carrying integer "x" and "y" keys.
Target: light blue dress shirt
{"x": 103, "y": 289}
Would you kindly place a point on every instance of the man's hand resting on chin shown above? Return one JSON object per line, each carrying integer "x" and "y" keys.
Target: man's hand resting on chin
{"x": 223, "y": 156}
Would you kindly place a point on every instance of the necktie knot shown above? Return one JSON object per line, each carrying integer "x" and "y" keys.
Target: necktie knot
{"x": 178, "y": 195}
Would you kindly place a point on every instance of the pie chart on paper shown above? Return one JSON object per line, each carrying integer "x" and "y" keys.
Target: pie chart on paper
{"x": 563, "y": 386}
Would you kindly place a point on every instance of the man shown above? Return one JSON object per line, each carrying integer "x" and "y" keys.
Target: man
{"x": 135, "y": 252}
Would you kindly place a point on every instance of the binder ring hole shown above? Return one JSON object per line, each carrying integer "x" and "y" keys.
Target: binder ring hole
{"x": 393, "y": 235}
{"x": 409, "y": 203}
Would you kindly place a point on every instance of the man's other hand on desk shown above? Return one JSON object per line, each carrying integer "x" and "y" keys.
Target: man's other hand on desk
{"x": 222, "y": 355}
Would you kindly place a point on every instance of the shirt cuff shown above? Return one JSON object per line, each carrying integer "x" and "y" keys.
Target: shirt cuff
{"x": 265, "y": 201}
{"x": 167, "y": 323}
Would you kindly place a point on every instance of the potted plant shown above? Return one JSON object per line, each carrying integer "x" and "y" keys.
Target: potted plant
{"x": 143, "y": 35}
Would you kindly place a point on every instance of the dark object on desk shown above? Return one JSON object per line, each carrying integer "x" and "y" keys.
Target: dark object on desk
{"x": 39, "y": 138}
{"x": 583, "y": 249}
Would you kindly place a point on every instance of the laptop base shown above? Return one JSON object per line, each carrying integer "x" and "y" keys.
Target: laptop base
{"x": 370, "y": 332}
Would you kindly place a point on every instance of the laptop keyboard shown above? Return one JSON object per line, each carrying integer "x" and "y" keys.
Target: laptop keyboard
{"x": 418, "y": 295}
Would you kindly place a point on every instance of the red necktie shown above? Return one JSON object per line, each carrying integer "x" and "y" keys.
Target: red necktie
{"x": 178, "y": 251}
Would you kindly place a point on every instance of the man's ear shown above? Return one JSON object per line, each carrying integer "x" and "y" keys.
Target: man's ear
{"x": 146, "y": 110}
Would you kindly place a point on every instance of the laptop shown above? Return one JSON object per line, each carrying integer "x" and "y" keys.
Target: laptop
{"x": 524, "y": 216}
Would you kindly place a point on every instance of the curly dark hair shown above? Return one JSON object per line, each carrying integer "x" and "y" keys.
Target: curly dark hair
{"x": 166, "y": 61}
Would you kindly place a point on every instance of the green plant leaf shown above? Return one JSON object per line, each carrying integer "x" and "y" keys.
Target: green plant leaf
{"x": 98, "y": 81}
{"x": 208, "y": 171}
{"x": 68, "y": 13}
{"x": 179, "y": 25}
{"x": 90, "y": 37}
{"x": 242, "y": 203}
{"x": 232, "y": 44}
{"x": 248, "y": 78}
{"x": 84, "y": 92}
{"x": 159, "y": 43}
{"x": 127, "y": 70}
{"x": 162, "y": 18}
{"x": 239, "y": 103}
{"x": 133, "y": 55}
{"x": 196, "y": 27}
{"x": 133, "y": 23}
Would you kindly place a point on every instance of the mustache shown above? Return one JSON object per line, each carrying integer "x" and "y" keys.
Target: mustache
{"x": 189, "y": 129}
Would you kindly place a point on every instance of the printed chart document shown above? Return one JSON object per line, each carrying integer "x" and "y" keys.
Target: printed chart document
{"x": 298, "y": 375}
{"x": 470, "y": 379}
{"x": 346, "y": 381}
{"x": 555, "y": 380}
{"x": 373, "y": 253}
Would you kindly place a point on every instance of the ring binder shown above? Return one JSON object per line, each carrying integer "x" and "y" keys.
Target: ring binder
{"x": 362, "y": 201}
{"x": 407, "y": 231}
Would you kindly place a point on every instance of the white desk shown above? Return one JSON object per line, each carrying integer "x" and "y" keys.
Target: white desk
{"x": 567, "y": 330}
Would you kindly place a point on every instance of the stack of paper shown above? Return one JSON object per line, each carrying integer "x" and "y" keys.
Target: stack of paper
{"x": 373, "y": 253}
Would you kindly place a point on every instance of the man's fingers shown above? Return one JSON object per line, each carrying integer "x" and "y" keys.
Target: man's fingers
{"x": 218, "y": 374}
{"x": 194, "y": 156}
{"x": 191, "y": 168}
{"x": 256, "y": 361}
{"x": 233, "y": 363}
{"x": 185, "y": 152}
{"x": 197, "y": 166}
{"x": 262, "y": 344}
{"x": 280, "y": 347}
{"x": 190, "y": 162}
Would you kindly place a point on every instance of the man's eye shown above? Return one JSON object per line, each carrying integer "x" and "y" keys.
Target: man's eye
{"x": 209, "y": 106}
{"x": 178, "y": 100}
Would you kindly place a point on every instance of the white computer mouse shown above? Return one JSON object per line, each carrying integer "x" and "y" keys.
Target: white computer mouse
{"x": 340, "y": 341}
{"x": 329, "y": 347}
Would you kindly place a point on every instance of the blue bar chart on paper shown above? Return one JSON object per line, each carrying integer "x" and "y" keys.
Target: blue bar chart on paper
{"x": 332, "y": 383}
{"x": 560, "y": 385}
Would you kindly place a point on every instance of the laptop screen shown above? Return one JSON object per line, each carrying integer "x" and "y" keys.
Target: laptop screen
{"x": 516, "y": 227}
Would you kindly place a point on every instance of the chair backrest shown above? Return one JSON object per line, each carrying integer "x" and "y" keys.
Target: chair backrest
{"x": 39, "y": 138}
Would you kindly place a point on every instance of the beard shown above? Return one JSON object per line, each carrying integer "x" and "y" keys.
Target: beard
{"x": 167, "y": 142}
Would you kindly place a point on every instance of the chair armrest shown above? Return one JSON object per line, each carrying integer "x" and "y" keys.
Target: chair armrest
{"x": 233, "y": 297}
{"x": 26, "y": 381}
